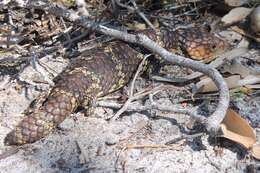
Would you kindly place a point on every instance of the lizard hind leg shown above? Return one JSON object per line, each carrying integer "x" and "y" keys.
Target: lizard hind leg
{"x": 87, "y": 106}
{"x": 42, "y": 121}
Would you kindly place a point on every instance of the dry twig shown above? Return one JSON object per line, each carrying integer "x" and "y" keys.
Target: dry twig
{"x": 102, "y": 102}
{"x": 39, "y": 68}
{"x": 135, "y": 9}
{"x": 140, "y": 108}
{"x": 158, "y": 146}
{"x": 130, "y": 98}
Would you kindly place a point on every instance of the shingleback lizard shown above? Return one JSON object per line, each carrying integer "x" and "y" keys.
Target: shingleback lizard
{"x": 101, "y": 71}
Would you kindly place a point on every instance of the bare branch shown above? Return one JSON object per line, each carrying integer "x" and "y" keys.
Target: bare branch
{"x": 139, "y": 108}
{"x": 213, "y": 122}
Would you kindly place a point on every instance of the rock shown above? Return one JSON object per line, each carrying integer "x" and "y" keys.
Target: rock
{"x": 111, "y": 140}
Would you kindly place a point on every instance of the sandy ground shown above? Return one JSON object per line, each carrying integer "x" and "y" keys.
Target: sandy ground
{"x": 92, "y": 144}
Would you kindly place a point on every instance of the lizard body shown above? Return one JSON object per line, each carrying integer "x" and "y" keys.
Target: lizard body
{"x": 101, "y": 71}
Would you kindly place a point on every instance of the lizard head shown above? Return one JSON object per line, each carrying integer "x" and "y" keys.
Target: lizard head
{"x": 206, "y": 48}
{"x": 202, "y": 45}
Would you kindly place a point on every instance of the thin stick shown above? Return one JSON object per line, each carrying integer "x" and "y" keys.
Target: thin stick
{"x": 142, "y": 146}
{"x": 135, "y": 9}
{"x": 37, "y": 66}
{"x": 141, "y": 14}
{"x": 130, "y": 98}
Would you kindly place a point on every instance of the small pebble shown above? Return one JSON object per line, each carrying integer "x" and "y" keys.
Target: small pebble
{"x": 111, "y": 140}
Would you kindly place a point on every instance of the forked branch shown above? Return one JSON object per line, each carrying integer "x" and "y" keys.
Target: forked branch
{"x": 212, "y": 123}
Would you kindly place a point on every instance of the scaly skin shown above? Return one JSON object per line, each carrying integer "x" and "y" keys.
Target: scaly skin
{"x": 196, "y": 43}
{"x": 100, "y": 72}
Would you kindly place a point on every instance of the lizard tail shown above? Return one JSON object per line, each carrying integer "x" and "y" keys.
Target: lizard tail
{"x": 42, "y": 121}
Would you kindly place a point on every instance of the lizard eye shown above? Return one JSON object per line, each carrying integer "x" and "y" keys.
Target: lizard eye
{"x": 213, "y": 47}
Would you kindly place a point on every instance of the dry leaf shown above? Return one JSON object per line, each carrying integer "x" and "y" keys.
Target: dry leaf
{"x": 240, "y": 67}
{"x": 257, "y": 86}
{"x": 245, "y": 33}
{"x": 256, "y": 151}
{"x": 255, "y": 20}
{"x": 234, "y": 81}
{"x": 136, "y": 26}
{"x": 236, "y": 15}
{"x": 208, "y": 86}
{"x": 237, "y": 129}
{"x": 236, "y": 3}
{"x": 228, "y": 56}
{"x": 245, "y": 90}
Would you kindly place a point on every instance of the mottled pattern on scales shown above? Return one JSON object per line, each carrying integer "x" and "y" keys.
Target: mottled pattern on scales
{"x": 99, "y": 72}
